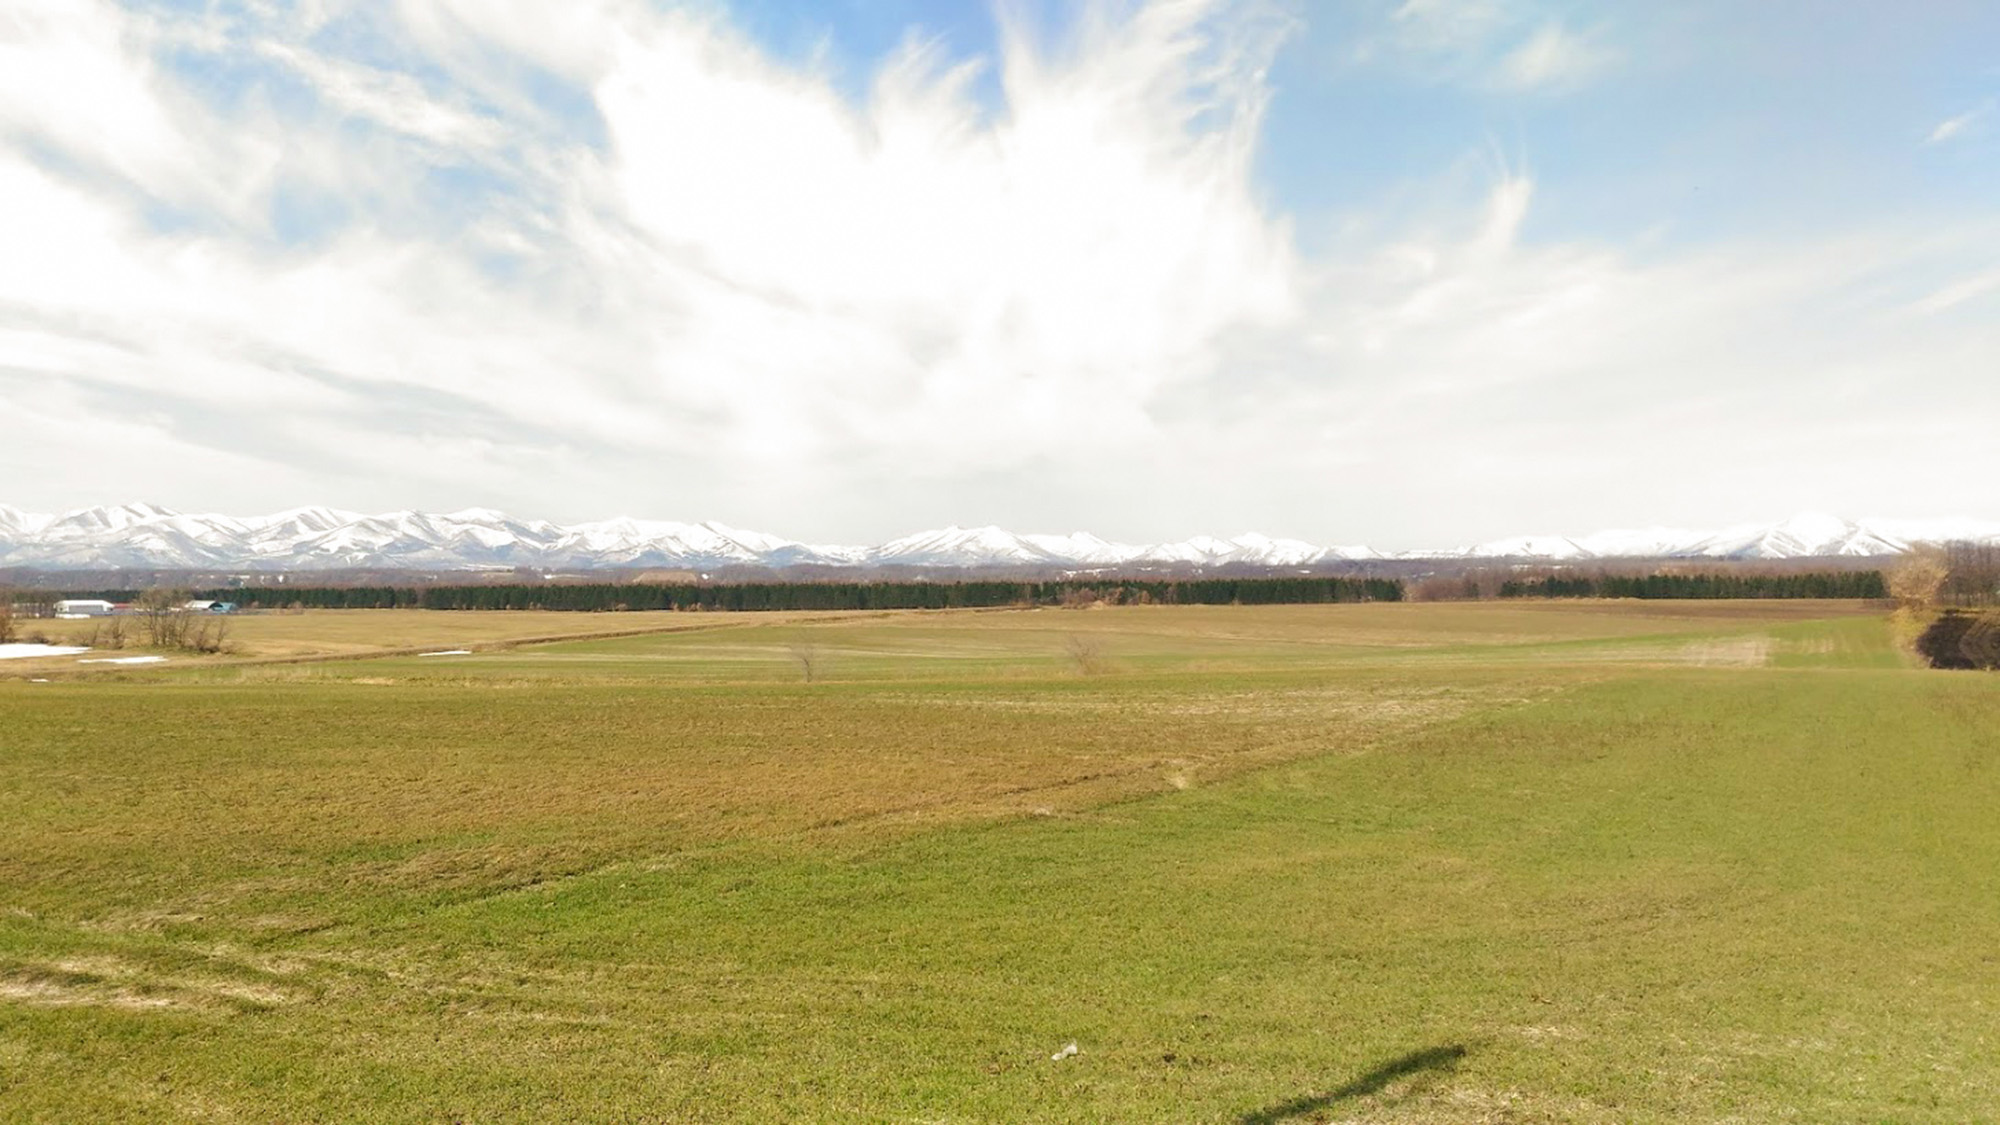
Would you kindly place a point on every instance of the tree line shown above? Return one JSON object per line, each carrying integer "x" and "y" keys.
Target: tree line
{"x": 1971, "y": 574}
{"x": 1966, "y": 575}
{"x": 1952, "y": 588}
{"x": 764, "y": 596}
{"x": 1804, "y": 584}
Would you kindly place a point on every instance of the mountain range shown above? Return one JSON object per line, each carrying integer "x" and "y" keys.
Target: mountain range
{"x": 146, "y": 536}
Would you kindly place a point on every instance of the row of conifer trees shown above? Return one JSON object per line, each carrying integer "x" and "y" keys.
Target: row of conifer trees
{"x": 1808, "y": 584}
{"x": 754, "y": 596}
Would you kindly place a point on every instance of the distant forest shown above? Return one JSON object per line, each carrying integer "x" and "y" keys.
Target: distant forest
{"x": 1804, "y": 584}
{"x": 974, "y": 594}
{"x": 754, "y": 596}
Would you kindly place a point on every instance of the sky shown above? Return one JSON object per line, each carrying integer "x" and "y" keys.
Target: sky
{"x": 1402, "y": 273}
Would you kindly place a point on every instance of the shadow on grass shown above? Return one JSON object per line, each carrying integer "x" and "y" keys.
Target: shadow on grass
{"x": 1430, "y": 1058}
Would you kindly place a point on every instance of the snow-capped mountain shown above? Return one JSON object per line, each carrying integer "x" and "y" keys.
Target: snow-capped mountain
{"x": 146, "y": 536}
{"x": 958, "y": 546}
{"x": 1808, "y": 535}
{"x": 1813, "y": 535}
{"x": 14, "y": 521}
{"x": 1084, "y": 548}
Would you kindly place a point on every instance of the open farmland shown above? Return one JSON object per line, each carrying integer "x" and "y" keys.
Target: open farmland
{"x": 1407, "y": 863}
{"x": 320, "y": 634}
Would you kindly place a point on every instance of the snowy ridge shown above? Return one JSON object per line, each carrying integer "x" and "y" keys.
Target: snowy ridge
{"x": 146, "y": 536}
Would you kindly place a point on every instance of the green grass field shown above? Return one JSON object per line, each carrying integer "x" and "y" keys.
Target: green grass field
{"x": 1598, "y": 862}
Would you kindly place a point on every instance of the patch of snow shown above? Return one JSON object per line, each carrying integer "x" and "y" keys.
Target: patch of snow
{"x": 27, "y": 651}
{"x": 125, "y": 660}
{"x": 448, "y": 652}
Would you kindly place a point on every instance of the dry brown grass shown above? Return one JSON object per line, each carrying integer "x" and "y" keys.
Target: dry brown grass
{"x": 334, "y": 634}
{"x": 103, "y": 980}
{"x": 338, "y": 633}
{"x": 419, "y": 790}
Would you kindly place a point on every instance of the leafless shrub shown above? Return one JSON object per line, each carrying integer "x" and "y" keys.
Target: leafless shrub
{"x": 1079, "y": 597}
{"x": 1461, "y": 585}
{"x": 169, "y": 623}
{"x": 209, "y": 637}
{"x": 1087, "y": 653}
{"x": 1443, "y": 588}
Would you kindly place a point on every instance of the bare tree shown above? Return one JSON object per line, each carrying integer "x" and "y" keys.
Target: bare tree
{"x": 1086, "y": 653}
{"x": 6, "y": 617}
{"x": 35, "y": 603}
{"x": 165, "y": 614}
{"x": 1972, "y": 573}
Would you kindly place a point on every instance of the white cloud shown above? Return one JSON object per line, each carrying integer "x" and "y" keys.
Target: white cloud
{"x": 1502, "y": 45}
{"x": 1959, "y": 292}
{"x": 77, "y": 78}
{"x": 1448, "y": 25}
{"x": 1553, "y": 58}
{"x": 1952, "y": 128}
{"x": 395, "y": 101}
{"x": 754, "y": 269}
{"x": 733, "y": 291}
{"x": 1593, "y": 386}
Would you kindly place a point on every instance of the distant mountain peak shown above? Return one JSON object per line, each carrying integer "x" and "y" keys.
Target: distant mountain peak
{"x": 150, "y": 536}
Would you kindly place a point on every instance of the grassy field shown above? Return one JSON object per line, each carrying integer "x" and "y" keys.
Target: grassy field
{"x": 1405, "y": 863}
{"x": 323, "y": 633}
